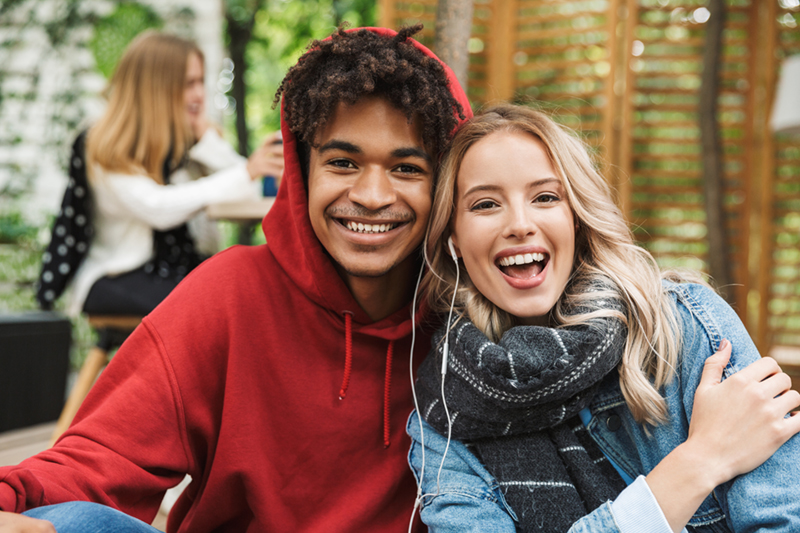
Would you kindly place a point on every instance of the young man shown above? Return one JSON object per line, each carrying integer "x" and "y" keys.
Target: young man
{"x": 277, "y": 376}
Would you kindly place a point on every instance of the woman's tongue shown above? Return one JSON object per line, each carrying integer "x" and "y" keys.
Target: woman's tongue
{"x": 526, "y": 271}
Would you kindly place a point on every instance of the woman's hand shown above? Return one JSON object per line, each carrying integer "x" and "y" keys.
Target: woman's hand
{"x": 267, "y": 160}
{"x": 741, "y": 421}
{"x": 12, "y": 522}
{"x": 736, "y": 425}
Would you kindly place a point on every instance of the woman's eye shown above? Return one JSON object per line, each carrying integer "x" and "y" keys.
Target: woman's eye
{"x": 547, "y": 198}
{"x": 482, "y": 205}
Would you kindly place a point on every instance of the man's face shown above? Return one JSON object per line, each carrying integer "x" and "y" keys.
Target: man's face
{"x": 369, "y": 187}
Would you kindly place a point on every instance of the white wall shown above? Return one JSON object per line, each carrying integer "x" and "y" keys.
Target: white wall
{"x": 35, "y": 129}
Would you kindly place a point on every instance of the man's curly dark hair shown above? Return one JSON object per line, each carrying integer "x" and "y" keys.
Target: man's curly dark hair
{"x": 350, "y": 65}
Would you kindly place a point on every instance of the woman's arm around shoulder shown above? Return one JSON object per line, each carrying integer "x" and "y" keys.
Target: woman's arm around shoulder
{"x": 739, "y": 423}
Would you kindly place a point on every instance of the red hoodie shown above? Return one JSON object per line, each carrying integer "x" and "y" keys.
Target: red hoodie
{"x": 235, "y": 379}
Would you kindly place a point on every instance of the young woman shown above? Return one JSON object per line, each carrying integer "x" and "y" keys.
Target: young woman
{"x": 140, "y": 160}
{"x": 582, "y": 382}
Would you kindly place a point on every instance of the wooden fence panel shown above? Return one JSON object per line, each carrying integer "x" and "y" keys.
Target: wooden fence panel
{"x": 779, "y": 323}
{"x": 626, "y": 74}
{"x": 662, "y": 135}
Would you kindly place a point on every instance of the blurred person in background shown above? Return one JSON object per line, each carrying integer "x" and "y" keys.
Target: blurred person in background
{"x": 132, "y": 230}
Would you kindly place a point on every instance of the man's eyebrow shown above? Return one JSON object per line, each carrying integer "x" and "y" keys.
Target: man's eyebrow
{"x": 412, "y": 152}
{"x": 339, "y": 145}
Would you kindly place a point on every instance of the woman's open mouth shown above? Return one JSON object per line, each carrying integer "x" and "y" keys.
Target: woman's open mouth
{"x": 523, "y": 266}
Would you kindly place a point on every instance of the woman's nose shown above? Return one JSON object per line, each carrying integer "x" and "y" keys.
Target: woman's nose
{"x": 373, "y": 189}
{"x": 519, "y": 222}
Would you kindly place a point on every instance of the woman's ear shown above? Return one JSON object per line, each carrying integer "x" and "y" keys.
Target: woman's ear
{"x": 452, "y": 247}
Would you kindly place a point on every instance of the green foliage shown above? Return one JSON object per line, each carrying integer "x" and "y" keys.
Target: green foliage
{"x": 113, "y": 33}
{"x": 69, "y": 16}
{"x": 14, "y": 228}
{"x": 281, "y": 33}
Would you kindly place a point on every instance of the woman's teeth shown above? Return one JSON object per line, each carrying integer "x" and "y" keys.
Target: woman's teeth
{"x": 521, "y": 259}
{"x": 369, "y": 228}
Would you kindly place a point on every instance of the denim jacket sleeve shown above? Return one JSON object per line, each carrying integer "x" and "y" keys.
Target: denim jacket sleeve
{"x": 764, "y": 499}
{"x": 468, "y": 498}
{"x": 465, "y": 498}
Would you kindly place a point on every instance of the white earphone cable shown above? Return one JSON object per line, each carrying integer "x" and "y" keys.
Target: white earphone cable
{"x": 418, "y": 499}
{"x": 446, "y": 350}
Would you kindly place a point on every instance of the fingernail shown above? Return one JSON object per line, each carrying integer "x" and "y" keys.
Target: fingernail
{"x": 723, "y": 344}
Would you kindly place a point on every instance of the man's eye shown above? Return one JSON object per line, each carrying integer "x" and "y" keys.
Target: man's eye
{"x": 408, "y": 169}
{"x": 341, "y": 163}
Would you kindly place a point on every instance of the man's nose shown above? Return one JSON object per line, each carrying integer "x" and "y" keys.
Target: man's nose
{"x": 373, "y": 189}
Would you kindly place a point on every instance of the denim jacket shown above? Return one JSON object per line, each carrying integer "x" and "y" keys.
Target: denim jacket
{"x": 465, "y": 497}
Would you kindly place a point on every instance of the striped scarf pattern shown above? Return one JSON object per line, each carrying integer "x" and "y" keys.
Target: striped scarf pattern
{"x": 515, "y": 404}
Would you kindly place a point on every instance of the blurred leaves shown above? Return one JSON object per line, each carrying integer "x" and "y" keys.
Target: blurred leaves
{"x": 113, "y": 33}
{"x": 282, "y": 31}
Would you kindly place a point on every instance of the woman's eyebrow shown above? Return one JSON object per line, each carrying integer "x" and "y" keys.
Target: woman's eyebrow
{"x": 491, "y": 187}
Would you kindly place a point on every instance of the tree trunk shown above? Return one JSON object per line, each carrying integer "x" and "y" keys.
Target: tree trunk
{"x": 713, "y": 175}
{"x": 239, "y": 33}
{"x": 240, "y": 16}
{"x": 453, "y": 30}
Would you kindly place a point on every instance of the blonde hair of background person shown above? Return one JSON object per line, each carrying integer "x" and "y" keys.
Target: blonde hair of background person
{"x": 146, "y": 115}
{"x": 603, "y": 247}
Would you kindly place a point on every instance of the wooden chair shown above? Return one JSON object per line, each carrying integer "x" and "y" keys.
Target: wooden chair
{"x": 112, "y": 331}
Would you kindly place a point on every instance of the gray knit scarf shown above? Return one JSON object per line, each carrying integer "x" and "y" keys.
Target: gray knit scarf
{"x": 516, "y": 404}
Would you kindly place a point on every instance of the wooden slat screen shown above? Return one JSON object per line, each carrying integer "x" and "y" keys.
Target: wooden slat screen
{"x": 781, "y": 259}
{"x": 661, "y": 133}
{"x": 626, "y": 75}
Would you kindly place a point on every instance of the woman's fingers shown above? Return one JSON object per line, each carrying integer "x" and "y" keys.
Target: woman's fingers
{"x": 759, "y": 370}
{"x": 754, "y": 401}
{"x": 787, "y": 402}
{"x": 775, "y": 385}
{"x": 715, "y": 365}
{"x": 267, "y": 160}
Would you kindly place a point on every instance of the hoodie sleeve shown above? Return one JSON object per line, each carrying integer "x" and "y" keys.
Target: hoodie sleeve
{"x": 122, "y": 450}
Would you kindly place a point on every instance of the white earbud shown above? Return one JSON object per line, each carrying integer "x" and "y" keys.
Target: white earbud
{"x": 452, "y": 248}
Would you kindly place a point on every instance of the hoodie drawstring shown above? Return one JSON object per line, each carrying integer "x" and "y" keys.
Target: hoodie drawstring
{"x": 387, "y": 389}
{"x": 387, "y": 378}
{"x": 348, "y": 353}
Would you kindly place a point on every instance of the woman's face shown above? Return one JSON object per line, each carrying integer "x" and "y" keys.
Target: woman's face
{"x": 513, "y": 226}
{"x": 194, "y": 94}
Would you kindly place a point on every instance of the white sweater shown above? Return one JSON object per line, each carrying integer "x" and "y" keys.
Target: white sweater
{"x": 127, "y": 208}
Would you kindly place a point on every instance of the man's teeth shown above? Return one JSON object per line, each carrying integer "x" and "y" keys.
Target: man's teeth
{"x": 521, "y": 259}
{"x": 369, "y": 228}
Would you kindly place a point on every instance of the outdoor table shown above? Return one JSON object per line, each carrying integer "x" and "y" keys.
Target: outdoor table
{"x": 245, "y": 213}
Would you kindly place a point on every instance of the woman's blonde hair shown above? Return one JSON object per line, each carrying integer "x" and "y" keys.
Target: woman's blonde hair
{"x": 145, "y": 121}
{"x": 605, "y": 256}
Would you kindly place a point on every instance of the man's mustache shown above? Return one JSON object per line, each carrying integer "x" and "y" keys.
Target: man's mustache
{"x": 388, "y": 214}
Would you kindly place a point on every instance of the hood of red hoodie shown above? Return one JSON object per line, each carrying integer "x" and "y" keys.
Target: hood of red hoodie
{"x": 295, "y": 246}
